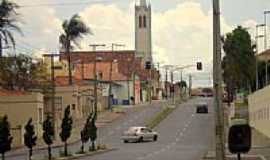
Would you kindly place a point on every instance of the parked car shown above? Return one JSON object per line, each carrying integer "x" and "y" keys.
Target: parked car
{"x": 202, "y": 108}
{"x": 139, "y": 134}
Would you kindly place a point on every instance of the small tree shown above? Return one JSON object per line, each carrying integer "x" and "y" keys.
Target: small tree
{"x": 48, "y": 134}
{"x": 5, "y": 137}
{"x": 93, "y": 130}
{"x": 66, "y": 129}
{"x": 30, "y": 137}
{"x": 85, "y": 135}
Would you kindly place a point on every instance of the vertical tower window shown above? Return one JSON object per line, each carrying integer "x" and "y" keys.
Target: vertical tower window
{"x": 144, "y": 21}
{"x": 140, "y": 22}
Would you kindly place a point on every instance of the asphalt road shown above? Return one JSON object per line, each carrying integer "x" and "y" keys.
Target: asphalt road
{"x": 184, "y": 135}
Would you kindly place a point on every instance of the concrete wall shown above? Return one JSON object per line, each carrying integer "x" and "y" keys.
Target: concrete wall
{"x": 259, "y": 110}
{"x": 19, "y": 109}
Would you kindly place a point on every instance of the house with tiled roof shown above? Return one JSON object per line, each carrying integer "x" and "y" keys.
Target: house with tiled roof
{"x": 127, "y": 70}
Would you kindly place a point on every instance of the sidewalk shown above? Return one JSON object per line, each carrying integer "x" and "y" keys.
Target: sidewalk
{"x": 104, "y": 118}
{"x": 260, "y": 143}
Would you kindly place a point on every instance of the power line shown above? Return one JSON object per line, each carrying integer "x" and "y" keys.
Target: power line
{"x": 66, "y": 4}
{"x": 31, "y": 47}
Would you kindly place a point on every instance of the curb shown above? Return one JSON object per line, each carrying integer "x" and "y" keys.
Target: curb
{"x": 78, "y": 156}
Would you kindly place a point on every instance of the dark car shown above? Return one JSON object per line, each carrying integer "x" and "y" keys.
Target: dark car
{"x": 202, "y": 108}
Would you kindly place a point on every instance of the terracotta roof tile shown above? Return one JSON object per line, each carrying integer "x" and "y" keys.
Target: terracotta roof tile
{"x": 4, "y": 92}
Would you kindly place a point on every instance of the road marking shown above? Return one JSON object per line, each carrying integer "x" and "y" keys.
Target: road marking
{"x": 111, "y": 133}
{"x": 150, "y": 155}
{"x": 117, "y": 128}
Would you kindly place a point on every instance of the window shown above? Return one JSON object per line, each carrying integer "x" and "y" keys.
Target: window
{"x": 144, "y": 21}
{"x": 73, "y": 106}
{"x": 140, "y": 22}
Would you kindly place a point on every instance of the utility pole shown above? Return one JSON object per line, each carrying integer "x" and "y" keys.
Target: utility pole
{"x": 172, "y": 84}
{"x": 110, "y": 76}
{"x": 52, "y": 97}
{"x": 128, "y": 86}
{"x": 94, "y": 46}
{"x": 220, "y": 153}
{"x": 150, "y": 84}
{"x": 166, "y": 82}
{"x": 190, "y": 85}
{"x": 257, "y": 52}
{"x": 265, "y": 45}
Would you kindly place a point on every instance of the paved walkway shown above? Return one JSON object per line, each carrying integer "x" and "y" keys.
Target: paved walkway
{"x": 260, "y": 143}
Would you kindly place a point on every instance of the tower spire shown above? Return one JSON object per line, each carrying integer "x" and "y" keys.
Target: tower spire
{"x": 142, "y": 2}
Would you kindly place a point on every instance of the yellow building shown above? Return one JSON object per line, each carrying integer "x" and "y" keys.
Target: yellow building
{"x": 20, "y": 107}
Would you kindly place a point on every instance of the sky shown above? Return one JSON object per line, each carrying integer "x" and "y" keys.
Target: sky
{"x": 182, "y": 29}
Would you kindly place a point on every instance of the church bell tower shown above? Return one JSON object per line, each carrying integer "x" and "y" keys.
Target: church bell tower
{"x": 143, "y": 37}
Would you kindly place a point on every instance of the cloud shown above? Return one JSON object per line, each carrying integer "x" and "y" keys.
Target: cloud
{"x": 40, "y": 25}
{"x": 181, "y": 35}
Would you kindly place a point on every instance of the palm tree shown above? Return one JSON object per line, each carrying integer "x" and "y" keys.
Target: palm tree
{"x": 8, "y": 19}
{"x": 74, "y": 29}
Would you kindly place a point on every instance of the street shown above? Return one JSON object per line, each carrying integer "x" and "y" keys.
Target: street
{"x": 183, "y": 135}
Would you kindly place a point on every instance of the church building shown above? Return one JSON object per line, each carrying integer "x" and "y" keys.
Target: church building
{"x": 143, "y": 31}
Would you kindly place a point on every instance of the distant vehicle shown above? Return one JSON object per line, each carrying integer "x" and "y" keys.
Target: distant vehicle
{"x": 139, "y": 134}
{"x": 202, "y": 108}
{"x": 207, "y": 92}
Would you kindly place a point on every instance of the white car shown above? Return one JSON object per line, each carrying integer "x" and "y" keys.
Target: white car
{"x": 139, "y": 134}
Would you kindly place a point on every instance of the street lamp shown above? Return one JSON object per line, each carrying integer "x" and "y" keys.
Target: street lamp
{"x": 166, "y": 67}
{"x": 265, "y": 44}
{"x": 257, "y": 37}
{"x": 94, "y": 46}
{"x": 110, "y": 76}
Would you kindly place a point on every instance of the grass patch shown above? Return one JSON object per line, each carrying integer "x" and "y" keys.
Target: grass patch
{"x": 241, "y": 105}
{"x": 118, "y": 109}
{"x": 152, "y": 123}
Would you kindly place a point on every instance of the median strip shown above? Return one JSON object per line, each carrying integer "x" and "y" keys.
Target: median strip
{"x": 153, "y": 122}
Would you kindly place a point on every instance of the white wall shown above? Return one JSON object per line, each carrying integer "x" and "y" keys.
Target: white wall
{"x": 259, "y": 110}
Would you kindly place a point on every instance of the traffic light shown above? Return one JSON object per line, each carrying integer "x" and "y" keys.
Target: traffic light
{"x": 239, "y": 138}
{"x": 148, "y": 65}
{"x": 199, "y": 66}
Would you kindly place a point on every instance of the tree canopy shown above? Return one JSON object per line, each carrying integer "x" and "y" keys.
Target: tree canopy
{"x": 74, "y": 29}
{"x": 8, "y": 23}
{"x": 239, "y": 63}
{"x": 22, "y": 72}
